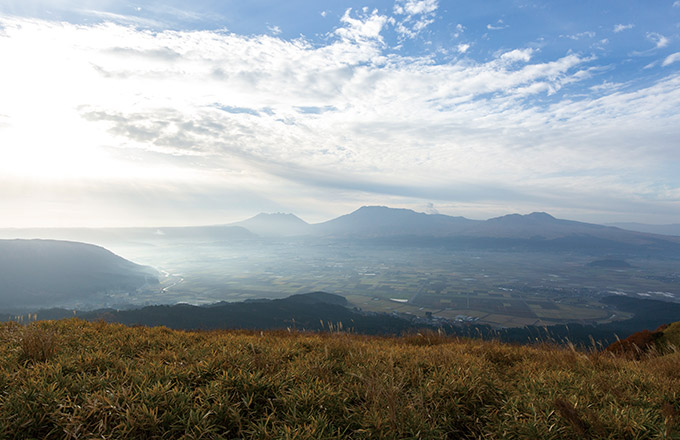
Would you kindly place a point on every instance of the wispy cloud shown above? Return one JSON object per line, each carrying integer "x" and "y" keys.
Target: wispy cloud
{"x": 622, "y": 27}
{"x": 658, "y": 40}
{"x": 580, "y": 35}
{"x": 670, "y": 59}
{"x": 459, "y": 30}
{"x": 606, "y": 86}
{"x": 416, "y": 15}
{"x": 123, "y": 19}
{"x": 462, "y": 48}
{"x": 497, "y": 26}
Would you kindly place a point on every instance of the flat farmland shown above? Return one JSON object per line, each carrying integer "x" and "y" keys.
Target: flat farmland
{"x": 503, "y": 289}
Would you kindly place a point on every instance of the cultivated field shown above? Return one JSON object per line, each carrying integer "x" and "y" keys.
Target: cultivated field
{"x": 504, "y": 289}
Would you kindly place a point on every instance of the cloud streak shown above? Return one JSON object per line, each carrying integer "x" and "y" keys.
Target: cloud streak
{"x": 670, "y": 59}
{"x": 623, "y": 27}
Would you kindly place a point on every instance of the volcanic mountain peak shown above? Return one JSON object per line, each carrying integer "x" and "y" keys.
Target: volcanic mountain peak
{"x": 275, "y": 224}
{"x": 278, "y": 216}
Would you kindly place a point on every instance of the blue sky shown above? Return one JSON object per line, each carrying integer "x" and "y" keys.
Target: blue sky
{"x": 168, "y": 113}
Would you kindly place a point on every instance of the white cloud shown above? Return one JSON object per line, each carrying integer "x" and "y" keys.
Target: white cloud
{"x": 365, "y": 27}
{"x": 622, "y": 27}
{"x": 517, "y": 55}
{"x": 601, "y": 45}
{"x": 606, "y": 86}
{"x": 415, "y": 7}
{"x": 670, "y": 59}
{"x": 498, "y": 26}
{"x": 676, "y": 4}
{"x": 462, "y": 48}
{"x": 580, "y": 35}
{"x": 417, "y": 15}
{"x": 292, "y": 121}
{"x": 658, "y": 40}
{"x": 275, "y": 30}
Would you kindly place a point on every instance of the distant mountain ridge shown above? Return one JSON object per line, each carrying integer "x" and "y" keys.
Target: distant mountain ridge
{"x": 44, "y": 272}
{"x": 380, "y": 221}
{"x": 275, "y": 225}
{"x": 321, "y": 311}
{"x": 103, "y": 236}
{"x": 672, "y": 229}
{"x": 538, "y": 230}
{"x": 311, "y": 311}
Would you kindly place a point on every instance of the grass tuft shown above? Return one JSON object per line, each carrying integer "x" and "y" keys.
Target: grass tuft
{"x": 38, "y": 343}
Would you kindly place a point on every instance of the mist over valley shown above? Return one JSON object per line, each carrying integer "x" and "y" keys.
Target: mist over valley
{"x": 510, "y": 271}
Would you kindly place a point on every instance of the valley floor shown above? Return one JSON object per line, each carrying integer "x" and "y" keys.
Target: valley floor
{"x": 76, "y": 379}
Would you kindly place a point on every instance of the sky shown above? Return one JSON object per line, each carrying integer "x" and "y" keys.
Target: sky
{"x": 150, "y": 113}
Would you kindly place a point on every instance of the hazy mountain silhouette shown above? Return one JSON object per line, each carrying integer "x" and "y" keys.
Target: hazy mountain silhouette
{"x": 275, "y": 225}
{"x": 673, "y": 229}
{"x": 609, "y": 263}
{"x": 381, "y": 221}
{"x": 104, "y": 236}
{"x": 543, "y": 225}
{"x": 45, "y": 272}
{"x": 537, "y": 230}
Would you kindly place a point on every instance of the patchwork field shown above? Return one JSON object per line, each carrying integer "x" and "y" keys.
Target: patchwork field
{"x": 502, "y": 289}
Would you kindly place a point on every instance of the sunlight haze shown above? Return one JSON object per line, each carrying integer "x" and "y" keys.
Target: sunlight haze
{"x": 174, "y": 113}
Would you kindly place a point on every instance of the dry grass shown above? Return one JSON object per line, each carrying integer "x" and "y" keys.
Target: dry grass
{"x": 112, "y": 381}
{"x": 38, "y": 343}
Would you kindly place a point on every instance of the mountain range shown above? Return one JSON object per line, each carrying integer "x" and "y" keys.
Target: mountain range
{"x": 275, "y": 225}
{"x": 381, "y": 221}
{"x": 537, "y": 230}
{"x": 384, "y": 225}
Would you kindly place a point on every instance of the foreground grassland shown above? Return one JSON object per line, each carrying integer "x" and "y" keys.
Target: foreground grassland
{"x": 74, "y": 379}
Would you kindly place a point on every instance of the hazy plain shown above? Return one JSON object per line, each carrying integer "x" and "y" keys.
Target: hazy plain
{"x": 498, "y": 288}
